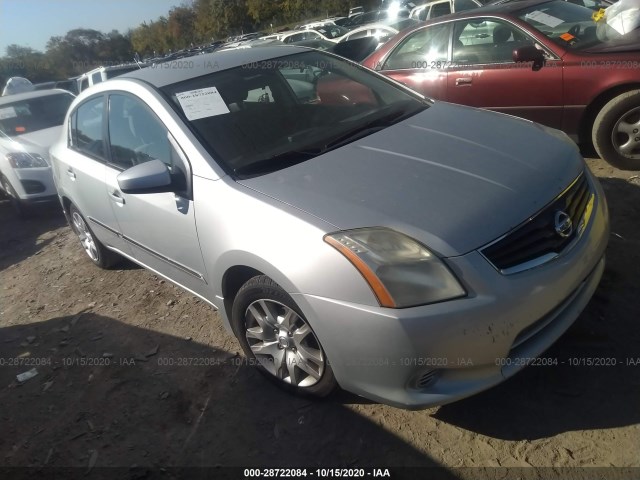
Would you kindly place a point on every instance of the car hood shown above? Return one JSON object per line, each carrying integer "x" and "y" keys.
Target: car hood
{"x": 33, "y": 142}
{"x": 452, "y": 177}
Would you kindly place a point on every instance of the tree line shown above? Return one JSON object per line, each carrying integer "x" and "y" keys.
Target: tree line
{"x": 196, "y": 23}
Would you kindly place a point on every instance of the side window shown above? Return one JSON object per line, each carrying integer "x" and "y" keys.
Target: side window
{"x": 486, "y": 41}
{"x": 440, "y": 9}
{"x": 84, "y": 84}
{"x": 96, "y": 78}
{"x": 136, "y": 135}
{"x": 360, "y": 34}
{"x": 462, "y": 5}
{"x": 88, "y": 131}
{"x": 422, "y": 13}
{"x": 421, "y": 50}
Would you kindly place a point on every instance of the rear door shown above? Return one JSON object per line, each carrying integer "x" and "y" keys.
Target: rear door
{"x": 81, "y": 174}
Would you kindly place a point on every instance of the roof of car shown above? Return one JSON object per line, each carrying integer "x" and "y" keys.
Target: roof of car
{"x": 16, "y": 97}
{"x": 504, "y": 8}
{"x": 190, "y": 67}
{"x": 507, "y": 7}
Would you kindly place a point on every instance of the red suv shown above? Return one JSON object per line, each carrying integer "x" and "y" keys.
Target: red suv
{"x": 553, "y": 62}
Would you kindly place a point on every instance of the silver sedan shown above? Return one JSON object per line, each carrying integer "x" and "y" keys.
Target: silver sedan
{"x": 349, "y": 231}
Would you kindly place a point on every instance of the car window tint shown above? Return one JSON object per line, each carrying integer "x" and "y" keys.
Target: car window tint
{"x": 462, "y": 5}
{"x": 314, "y": 99}
{"x": 360, "y": 34}
{"x": 136, "y": 135}
{"x": 96, "y": 77}
{"x": 481, "y": 41}
{"x": 440, "y": 9}
{"x": 421, "y": 49}
{"x": 422, "y": 13}
{"x": 88, "y": 134}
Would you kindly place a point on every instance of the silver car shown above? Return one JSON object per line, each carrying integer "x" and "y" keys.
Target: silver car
{"x": 29, "y": 124}
{"x": 349, "y": 233}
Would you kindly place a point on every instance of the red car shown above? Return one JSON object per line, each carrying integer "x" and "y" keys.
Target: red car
{"x": 547, "y": 61}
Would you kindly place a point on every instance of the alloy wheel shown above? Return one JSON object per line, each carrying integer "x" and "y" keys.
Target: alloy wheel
{"x": 85, "y": 236}
{"x": 283, "y": 343}
{"x": 626, "y": 134}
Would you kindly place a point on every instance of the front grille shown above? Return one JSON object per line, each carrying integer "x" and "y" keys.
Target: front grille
{"x": 537, "y": 237}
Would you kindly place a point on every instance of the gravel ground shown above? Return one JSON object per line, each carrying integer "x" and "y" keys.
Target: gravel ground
{"x": 118, "y": 386}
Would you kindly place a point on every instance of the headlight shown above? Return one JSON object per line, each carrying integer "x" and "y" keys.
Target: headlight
{"x": 400, "y": 271}
{"x": 26, "y": 160}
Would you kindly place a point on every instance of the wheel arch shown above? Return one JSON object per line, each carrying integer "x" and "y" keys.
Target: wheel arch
{"x": 594, "y": 107}
{"x": 232, "y": 280}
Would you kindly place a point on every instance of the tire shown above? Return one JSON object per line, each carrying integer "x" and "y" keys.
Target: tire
{"x": 292, "y": 356}
{"x": 616, "y": 131}
{"x": 95, "y": 250}
{"x": 19, "y": 208}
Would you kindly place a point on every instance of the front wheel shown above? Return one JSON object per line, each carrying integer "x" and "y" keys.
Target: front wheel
{"x": 95, "y": 250}
{"x": 616, "y": 131}
{"x": 276, "y": 337}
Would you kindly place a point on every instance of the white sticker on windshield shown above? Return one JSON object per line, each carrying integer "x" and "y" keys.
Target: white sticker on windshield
{"x": 202, "y": 103}
{"x": 544, "y": 18}
{"x": 7, "y": 112}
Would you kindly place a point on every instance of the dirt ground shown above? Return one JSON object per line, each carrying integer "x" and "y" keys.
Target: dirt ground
{"x": 112, "y": 391}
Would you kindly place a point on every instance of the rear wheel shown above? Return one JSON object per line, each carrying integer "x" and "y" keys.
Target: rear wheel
{"x": 616, "y": 131}
{"x": 96, "y": 251}
{"x": 276, "y": 337}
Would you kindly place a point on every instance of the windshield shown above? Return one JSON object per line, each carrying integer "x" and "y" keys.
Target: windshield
{"x": 26, "y": 116}
{"x": 262, "y": 117}
{"x": 567, "y": 24}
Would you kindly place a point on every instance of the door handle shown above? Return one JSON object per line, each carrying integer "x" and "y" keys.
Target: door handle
{"x": 115, "y": 196}
{"x": 71, "y": 174}
{"x": 463, "y": 81}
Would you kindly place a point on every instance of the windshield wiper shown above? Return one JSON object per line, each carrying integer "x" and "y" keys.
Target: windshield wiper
{"x": 275, "y": 162}
{"x": 286, "y": 159}
{"x": 367, "y": 128}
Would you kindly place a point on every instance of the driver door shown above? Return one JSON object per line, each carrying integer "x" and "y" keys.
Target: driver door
{"x": 483, "y": 74}
{"x": 160, "y": 228}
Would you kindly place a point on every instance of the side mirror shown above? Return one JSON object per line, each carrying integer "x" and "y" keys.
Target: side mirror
{"x": 529, "y": 53}
{"x": 149, "y": 177}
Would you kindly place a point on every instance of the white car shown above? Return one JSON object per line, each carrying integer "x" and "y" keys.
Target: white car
{"x": 17, "y": 85}
{"x": 29, "y": 124}
{"x": 332, "y": 33}
{"x": 380, "y": 31}
{"x": 101, "y": 74}
{"x": 438, "y": 8}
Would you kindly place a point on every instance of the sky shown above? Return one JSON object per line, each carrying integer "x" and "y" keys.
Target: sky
{"x": 30, "y": 23}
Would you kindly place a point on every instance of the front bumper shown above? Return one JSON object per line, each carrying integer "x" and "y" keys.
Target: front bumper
{"x": 34, "y": 185}
{"x": 435, "y": 354}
